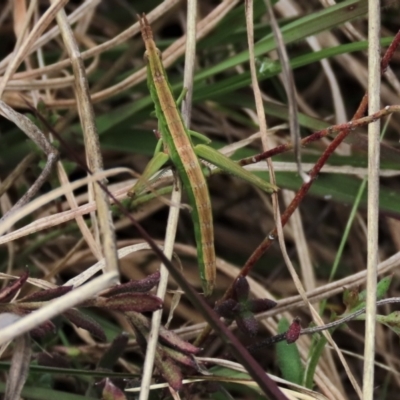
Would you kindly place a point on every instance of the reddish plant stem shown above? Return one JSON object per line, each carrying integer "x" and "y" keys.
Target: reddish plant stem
{"x": 266, "y": 243}
{"x": 389, "y": 52}
{"x": 314, "y": 329}
{"x": 355, "y": 123}
{"x": 344, "y": 130}
{"x": 335, "y": 128}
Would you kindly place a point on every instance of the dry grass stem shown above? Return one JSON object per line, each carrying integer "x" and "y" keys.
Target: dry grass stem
{"x": 374, "y": 100}
{"x": 271, "y": 84}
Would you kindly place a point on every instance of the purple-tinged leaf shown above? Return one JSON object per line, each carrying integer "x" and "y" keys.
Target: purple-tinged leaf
{"x": 168, "y": 337}
{"x": 52, "y": 360}
{"x": 260, "y": 305}
{"x": 116, "y": 349}
{"x": 247, "y": 323}
{"x": 173, "y": 340}
{"x": 226, "y": 308}
{"x": 140, "y": 330}
{"x": 241, "y": 289}
{"x": 7, "y": 293}
{"x": 43, "y": 330}
{"x": 112, "y": 392}
{"x": 45, "y": 295}
{"x": 139, "y": 286}
{"x": 293, "y": 332}
{"x": 168, "y": 369}
{"x": 139, "y": 302}
{"x": 84, "y": 321}
{"x": 179, "y": 357}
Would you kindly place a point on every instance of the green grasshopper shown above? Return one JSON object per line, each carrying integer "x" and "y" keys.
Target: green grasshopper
{"x": 179, "y": 149}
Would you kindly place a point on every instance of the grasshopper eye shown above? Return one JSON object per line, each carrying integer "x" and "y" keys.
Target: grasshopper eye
{"x": 146, "y": 57}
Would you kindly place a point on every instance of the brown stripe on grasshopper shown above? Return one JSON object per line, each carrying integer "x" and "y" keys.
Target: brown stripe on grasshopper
{"x": 180, "y": 149}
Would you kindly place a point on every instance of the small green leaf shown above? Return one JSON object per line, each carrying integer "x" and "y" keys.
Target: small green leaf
{"x": 381, "y": 290}
{"x": 318, "y": 344}
{"x": 383, "y": 286}
{"x": 392, "y": 321}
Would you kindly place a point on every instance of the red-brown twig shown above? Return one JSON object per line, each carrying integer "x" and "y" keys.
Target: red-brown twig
{"x": 344, "y": 130}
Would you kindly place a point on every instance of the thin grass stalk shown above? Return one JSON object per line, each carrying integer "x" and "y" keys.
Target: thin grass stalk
{"x": 374, "y": 79}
